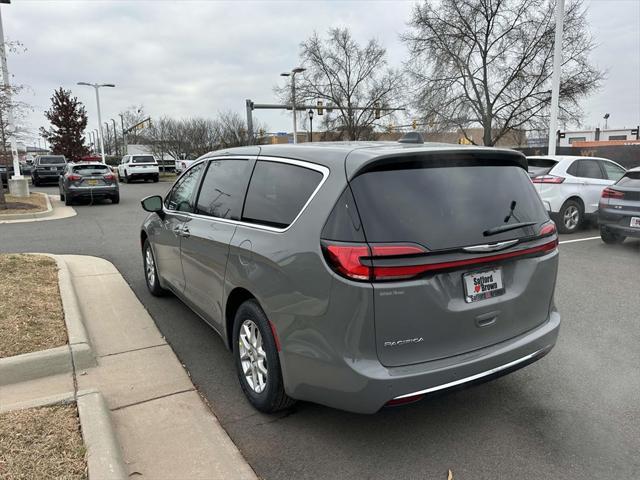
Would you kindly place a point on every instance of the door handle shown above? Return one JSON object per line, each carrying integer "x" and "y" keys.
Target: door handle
{"x": 184, "y": 232}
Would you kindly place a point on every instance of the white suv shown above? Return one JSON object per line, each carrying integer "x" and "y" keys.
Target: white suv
{"x": 133, "y": 167}
{"x": 570, "y": 187}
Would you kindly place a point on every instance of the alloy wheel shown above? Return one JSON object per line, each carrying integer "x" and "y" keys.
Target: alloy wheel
{"x": 252, "y": 356}
{"x": 150, "y": 267}
{"x": 571, "y": 217}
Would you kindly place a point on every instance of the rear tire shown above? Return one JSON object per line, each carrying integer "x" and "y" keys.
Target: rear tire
{"x": 570, "y": 217}
{"x": 126, "y": 177}
{"x": 156, "y": 178}
{"x": 62, "y": 195}
{"x": 151, "y": 271}
{"x": 115, "y": 199}
{"x": 67, "y": 200}
{"x": 35, "y": 182}
{"x": 609, "y": 237}
{"x": 257, "y": 361}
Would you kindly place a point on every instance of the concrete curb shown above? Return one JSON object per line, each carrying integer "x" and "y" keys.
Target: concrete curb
{"x": 30, "y": 366}
{"x": 21, "y": 216}
{"x": 104, "y": 455}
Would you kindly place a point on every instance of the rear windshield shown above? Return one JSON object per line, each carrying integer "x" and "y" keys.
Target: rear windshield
{"x": 540, "y": 166}
{"x": 91, "y": 169}
{"x": 446, "y": 207}
{"x": 50, "y": 160}
{"x": 143, "y": 159}
{"x": 630, "y": 179}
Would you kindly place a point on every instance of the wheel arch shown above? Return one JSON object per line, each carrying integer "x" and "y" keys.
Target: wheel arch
{"x": 575, "y": 198}
{"x": 236, "y": 298}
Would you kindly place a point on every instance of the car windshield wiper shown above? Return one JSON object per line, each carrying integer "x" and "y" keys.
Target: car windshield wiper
{"x": 506, "y": 228}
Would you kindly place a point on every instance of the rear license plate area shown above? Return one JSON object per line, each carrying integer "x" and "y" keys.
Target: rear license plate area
{"x": 482, "y": 285}
{"x": 635, "y": 222}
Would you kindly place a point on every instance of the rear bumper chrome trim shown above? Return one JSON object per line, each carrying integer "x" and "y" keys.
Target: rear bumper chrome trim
{"x": 474, "y": 377}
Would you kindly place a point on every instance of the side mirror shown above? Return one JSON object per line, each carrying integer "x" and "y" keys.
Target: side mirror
{"x": 152, "y": 204}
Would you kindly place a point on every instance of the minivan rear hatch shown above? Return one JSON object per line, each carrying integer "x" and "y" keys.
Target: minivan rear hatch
{"x": 462, "y": 253}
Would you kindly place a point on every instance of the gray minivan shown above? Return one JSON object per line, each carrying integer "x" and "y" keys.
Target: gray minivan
{"x": 359, "y": 275}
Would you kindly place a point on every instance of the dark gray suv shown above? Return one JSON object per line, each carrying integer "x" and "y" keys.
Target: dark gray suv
{"x": 359, "y": 275}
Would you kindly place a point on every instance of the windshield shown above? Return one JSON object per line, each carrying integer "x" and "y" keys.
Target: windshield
{"x": 91, "y": 169}
{"x": 447, "y": 207}
{"x": 52, "y": 160}
{"x": 143, "y": 159}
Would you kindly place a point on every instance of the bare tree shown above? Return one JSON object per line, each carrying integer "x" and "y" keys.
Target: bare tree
{"x": 131, "y": 116}
{"x": 489, "y": 63}
{"x": 344, "y": 74}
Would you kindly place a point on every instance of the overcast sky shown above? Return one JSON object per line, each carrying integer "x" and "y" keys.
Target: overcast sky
{"x": 195, "y": 58}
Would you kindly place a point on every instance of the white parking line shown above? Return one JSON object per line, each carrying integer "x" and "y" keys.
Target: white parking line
{"x": 579, "y": 240}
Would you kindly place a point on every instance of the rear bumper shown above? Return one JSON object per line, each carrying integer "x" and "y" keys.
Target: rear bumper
{"x": 618, "y": 221}
{"x": 46, "y": 176}
{"x": 365, "y": 386}
{"x": 92, "y": 192}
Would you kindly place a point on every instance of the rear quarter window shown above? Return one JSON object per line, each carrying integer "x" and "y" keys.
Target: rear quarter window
{"x": 277, "y": 193}
{"x": 630, "y": 179}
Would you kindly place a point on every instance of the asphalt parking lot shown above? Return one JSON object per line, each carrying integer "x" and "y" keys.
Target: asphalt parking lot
{"x": 574, "y": 414}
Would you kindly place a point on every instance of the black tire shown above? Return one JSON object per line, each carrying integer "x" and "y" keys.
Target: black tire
{"x": 35, "y": 182}
{"x": 126, "y": 177}
{"x": 610, "y": 237}
{"x": 67, "y": 200}
{"x": 115, "y": 199}
{"x": 570, "y": 217}
{"x": 153, "y": 285}
{"x": 156, "y": 178}
{"x": 119, "y": 177}
{"x": 273, "y": 397}
{"x": 61, "y": 194}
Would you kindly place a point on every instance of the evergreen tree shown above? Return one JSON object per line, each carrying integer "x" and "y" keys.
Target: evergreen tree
{"x": 68, "y": 119}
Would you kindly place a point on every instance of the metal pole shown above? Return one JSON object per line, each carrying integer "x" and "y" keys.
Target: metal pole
{"x": 124, "y": 136}
{"x": 7, "y": 86}
{"x": 115, "y": 136}
{"x": 97, "y": 87}
{"x": 555, "y": 79}
{"x": 108, "y": 138}
{"x": 249, "y": 104}
{"x": 293, "y": 106}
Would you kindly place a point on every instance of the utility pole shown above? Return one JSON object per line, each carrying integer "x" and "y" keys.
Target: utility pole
{"x": 555, "y": 79}
{"x": 115, "y": 136}
{"x": 20, "y": 184}
{"x": 124, "y": 135}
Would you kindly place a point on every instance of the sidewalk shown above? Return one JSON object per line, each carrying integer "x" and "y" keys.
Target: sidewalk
{"x": 164, "y": 428}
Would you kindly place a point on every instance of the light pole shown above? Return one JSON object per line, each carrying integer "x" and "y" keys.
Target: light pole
{"x": 124, "y": 136}
{"x": 11, "y": 125}
{"x": 292, "y": 74}
{"x": 310, "y": 125}
{"x": 115, "y": 136}
{"x": 606, "y": 121}
{"x": 97, "y": 86}
{"x": 555, "y": 78}
{"x": 108, "y": 138}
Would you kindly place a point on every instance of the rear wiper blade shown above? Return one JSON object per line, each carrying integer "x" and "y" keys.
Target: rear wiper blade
{"x": 506, "y": 228}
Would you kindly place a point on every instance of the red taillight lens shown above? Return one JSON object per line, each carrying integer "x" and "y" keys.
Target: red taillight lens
{"x": 547, "y": 229}
{"x": 73, "y": 177}
{"x": 345, "y": 259}
{"x": 611, "y": 193}
{"x": 109, "y": 176}
{"x": 547, "y": 179}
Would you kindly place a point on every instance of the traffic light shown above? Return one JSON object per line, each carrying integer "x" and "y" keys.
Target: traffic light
{"x": 377, "y": 111}
{"x": 414, "y": 124}
{"x": 319, "y": 104}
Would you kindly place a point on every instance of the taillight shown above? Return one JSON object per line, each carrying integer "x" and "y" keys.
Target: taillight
{"x": 73, "y": 177}
{"x": 376, "y": 263}
{"x": 547, "y": 229}
{"x": 109, "y": 176}
{"x": 611, "y": 193}
{"x": 547, "y": 179}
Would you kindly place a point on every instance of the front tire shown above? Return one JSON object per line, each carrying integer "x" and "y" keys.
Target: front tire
{"x": 257, "y": 361}
{"x": 570, "y": 217}
{"x": 610, "y": 237}
{"x": 151, "y": 272}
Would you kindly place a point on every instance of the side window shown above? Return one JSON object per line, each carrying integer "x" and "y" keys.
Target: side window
{"x": 612, "y": 171}
{"x": 181, "y": 196}
{"x": 277, "y": 192}
{"x": 588, "y": 169}
{"x": 222, "y": 189}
